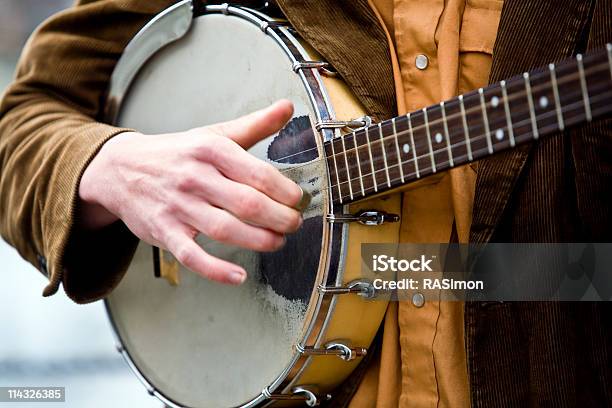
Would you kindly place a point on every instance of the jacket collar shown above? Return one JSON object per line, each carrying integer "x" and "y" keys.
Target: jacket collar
{"x": 347, "y": 34}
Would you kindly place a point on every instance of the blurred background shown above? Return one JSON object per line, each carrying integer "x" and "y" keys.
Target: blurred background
{"x": 52, "y": 341}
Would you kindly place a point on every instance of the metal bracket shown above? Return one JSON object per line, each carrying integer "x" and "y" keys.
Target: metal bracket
{"x": 323, "y": 67}
{"x": 355, "y": 124}
{"x": 367, "y": 217}
{"x": 362, "y": 288}
{"x": 272, "y": 24}
{"x": 299, "y": 393}
{"x": 333, "y": 348}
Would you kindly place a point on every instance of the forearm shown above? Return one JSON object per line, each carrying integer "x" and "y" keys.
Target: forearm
{"x": 49, "y": 134}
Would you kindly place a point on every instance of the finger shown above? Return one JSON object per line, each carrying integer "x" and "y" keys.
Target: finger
{"x": 240, "y": 166}
{"x": 193, "y": 257}
{"x": 223, "y": 227}
{"x": 247, "y": 204}
{"x": 250, "y": 129}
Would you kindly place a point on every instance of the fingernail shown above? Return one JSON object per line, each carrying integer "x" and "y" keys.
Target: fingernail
{"x": 304, "y": 201}
{"x": 237, "y": 277}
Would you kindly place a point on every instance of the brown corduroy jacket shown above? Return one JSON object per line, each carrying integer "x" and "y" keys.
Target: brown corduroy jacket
{"x": 553, "y": 190}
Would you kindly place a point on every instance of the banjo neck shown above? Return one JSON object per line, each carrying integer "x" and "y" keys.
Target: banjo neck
{"x": 470, "y": 127}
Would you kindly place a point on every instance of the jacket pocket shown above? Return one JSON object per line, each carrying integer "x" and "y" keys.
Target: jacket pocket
{"x": 479, "y": 26}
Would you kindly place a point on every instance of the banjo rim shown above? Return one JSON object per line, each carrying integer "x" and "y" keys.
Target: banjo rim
{"x": 170, "y": 25}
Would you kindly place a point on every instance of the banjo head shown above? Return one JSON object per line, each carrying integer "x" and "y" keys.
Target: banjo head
{"x": 202, "y": 343}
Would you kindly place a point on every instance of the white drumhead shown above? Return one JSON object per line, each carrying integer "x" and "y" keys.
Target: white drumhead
{"x": 202, "y": 343}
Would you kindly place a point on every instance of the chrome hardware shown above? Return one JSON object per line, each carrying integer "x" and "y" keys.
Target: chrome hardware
{"x": 333, "y": 348}
{"x": 299, "y": 393}
{"x": 225, "y": 8}
{"x": 368, "y": 217}
{"x": 361, "y": 287}
{"x": 297, "y": 65}
{"x": 324, "y": 67}
{"x": 355, "y": 124}
{"x": 271, "y": 24}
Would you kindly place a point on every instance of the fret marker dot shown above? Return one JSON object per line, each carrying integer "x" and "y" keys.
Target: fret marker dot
{"x": 406, "y": 148}
{"x": 495, "y": 101}
{"x": 438, "y": 137}
{"x": 543, "y": 102}
{"x": 499, "y": 134}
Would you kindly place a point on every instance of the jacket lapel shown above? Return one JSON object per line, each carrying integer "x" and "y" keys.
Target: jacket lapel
{"x": 528, "y": 37}
{"x": 347, "y": 34}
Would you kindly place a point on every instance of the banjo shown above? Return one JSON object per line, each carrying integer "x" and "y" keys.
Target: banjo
{"x": 305, "y": 317}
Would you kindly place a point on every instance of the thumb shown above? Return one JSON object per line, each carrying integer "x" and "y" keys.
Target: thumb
{"x": 250, "y": 129}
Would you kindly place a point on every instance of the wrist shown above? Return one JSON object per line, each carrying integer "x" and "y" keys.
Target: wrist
{"x": 96, "y": 188}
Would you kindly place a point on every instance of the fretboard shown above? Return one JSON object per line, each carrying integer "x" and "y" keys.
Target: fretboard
{"x": 470, "y": 127}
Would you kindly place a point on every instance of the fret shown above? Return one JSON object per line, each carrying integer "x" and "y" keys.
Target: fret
{"x": 475, "y": 124}
{"x": 358, "y": 164}
{"x": 570, "y": 92}
{"x": 394, "y": 167}
{"x": 343, "y": 175}
{"x": 352, "y": 161}
{"x": 543, "y": 98}
{"x": 384, "y": 151}
{"x": 399, "y": 155}
{"x": 486, "y": 121}
{"x": 421, "y": 143}
{"x": 583, "y": 87}
{"x": 509, "y": 125}
{"x": 466, "y": 130}
{"x": 599, "y": 82}
{"x": 433, "y": 162}
{"x": 367, "y": 133}
{"x": 414, "y": 151}
{"x": 534, "y": 125}
{"x": 437, "y": 138}
{"x": 497, "y": 119}
{"x": 404, "y": 137}
{"x": 331, "y": 153}
{"x": 518, "y": 109}
{"x": 456, "y": 134}
{"x": 363, "y": 160}
{"x": 378, "y": 154}
{"x": 553, "y": 78}
{"x": 348, "y": 173}
{"x": 448, "y": 143}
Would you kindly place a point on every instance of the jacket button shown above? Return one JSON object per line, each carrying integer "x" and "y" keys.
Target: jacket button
{"x": 418, "y": 300}
{"x": 421, "y": 61}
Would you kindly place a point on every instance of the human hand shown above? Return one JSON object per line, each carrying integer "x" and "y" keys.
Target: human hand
{"x": 168, "y": 188}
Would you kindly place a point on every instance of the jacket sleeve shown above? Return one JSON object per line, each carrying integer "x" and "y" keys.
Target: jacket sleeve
{"x": 49, "y": 134}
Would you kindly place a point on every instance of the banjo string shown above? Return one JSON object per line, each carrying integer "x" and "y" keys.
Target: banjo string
{"x": 367, "y": 190}
{"x": 515, "y": 95}
{"x": 576, "y": 105}
{"x": 353, "y": 166}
